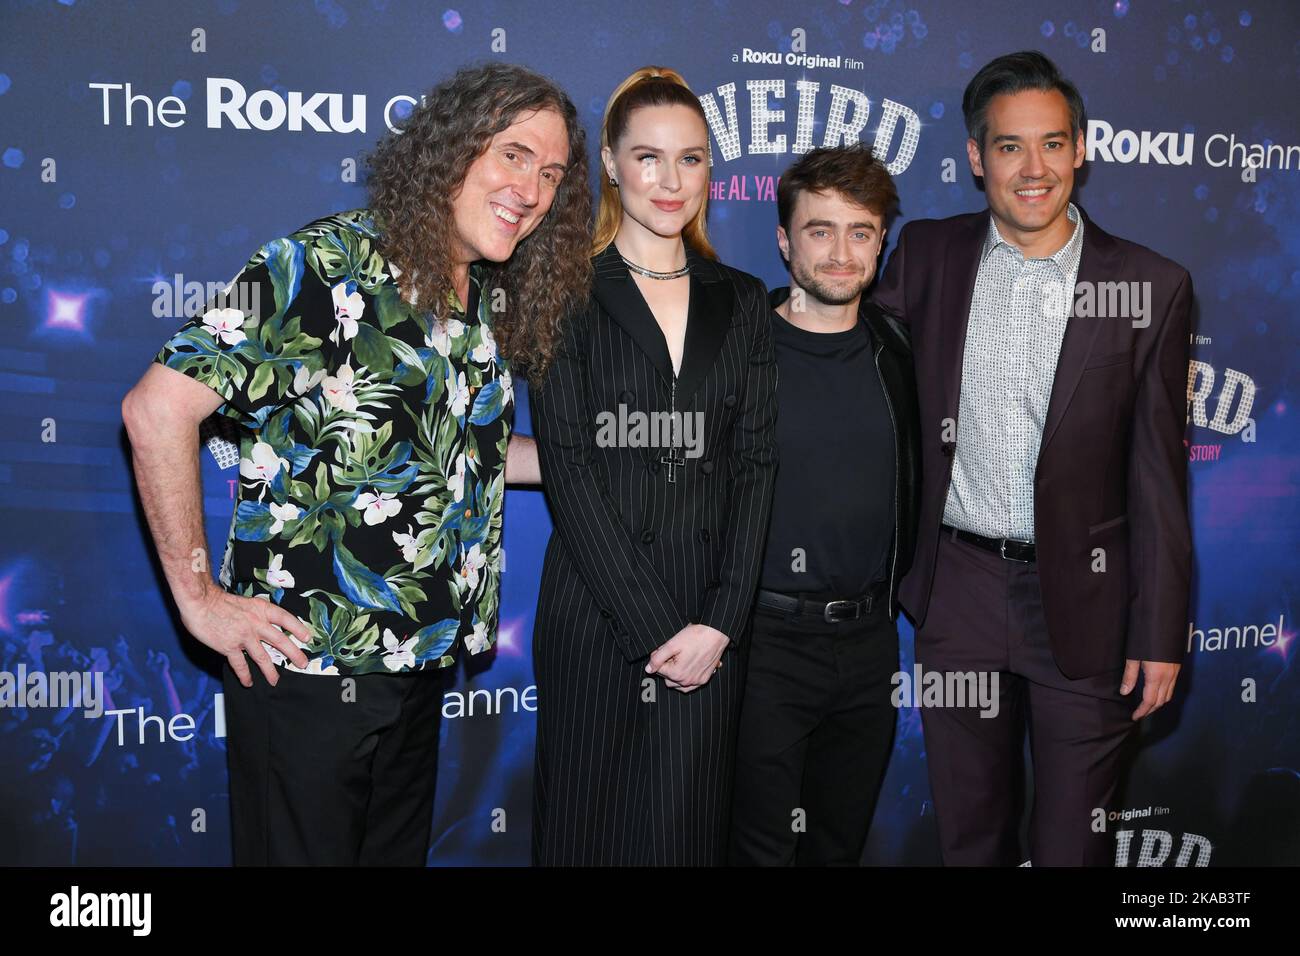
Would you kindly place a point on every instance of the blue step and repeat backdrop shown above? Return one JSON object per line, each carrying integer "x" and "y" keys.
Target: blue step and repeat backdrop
{"x": 149, "y": 147}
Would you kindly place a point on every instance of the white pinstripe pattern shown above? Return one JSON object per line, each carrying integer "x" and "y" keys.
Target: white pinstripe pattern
{"x": 633, "y": 559}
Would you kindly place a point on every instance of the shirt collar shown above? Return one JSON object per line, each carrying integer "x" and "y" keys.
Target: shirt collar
{"x": 477, "y": 271}
{"x": 1066, "y": 258}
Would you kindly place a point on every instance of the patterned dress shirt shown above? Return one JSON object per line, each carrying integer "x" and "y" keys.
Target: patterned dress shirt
{"x": 1018, "y": 314}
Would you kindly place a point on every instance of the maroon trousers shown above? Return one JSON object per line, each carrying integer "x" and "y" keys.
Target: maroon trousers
{"x": 986, "y": 615}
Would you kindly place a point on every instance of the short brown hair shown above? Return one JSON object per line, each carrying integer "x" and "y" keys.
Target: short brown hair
{"x": 851, "y": 170}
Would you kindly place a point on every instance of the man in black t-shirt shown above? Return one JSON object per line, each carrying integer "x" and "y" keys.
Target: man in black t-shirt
{"x": 817, "y": 722}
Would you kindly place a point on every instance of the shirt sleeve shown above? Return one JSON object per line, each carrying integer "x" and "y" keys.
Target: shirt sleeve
{"x": 264, "y": 340}
{"x": 754, "y": 457}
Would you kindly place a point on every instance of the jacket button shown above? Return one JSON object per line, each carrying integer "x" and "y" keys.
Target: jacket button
{"x": 729, "y": 401}
{"x": 703, "y": 535}
{"x": 605, "y": 614}
{"x": 647, "y": 537}
{"x": 626, "y": 397}
{"x": 948, "y": 448}
{"x": 654, "y": 467}
{"x": 706, "y": 467}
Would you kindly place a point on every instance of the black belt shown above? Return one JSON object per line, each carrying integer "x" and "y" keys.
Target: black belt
{"x": 831, "y": 612}
{"x": 1008, "y": 548}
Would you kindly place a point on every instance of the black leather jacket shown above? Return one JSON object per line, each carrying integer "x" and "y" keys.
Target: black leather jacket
{"x": 892, "y": 348}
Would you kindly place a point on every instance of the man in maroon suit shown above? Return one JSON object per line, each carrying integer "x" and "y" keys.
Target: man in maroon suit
{"x": 1054, "y": 554}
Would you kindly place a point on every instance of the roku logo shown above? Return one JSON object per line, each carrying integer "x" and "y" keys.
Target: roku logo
{"x": 228, "y": 101}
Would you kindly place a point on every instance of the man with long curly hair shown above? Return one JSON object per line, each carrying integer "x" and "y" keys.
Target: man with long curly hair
{"x": 369, "y": 356}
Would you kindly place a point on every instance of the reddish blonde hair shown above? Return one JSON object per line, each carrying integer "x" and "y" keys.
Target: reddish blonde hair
{"x": 648, "y": 86}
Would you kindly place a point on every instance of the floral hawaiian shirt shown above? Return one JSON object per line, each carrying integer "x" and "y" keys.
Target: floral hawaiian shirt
{"x": 372, "y": 465}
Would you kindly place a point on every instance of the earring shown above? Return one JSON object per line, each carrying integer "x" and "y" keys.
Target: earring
{"x": 613, "y": 182}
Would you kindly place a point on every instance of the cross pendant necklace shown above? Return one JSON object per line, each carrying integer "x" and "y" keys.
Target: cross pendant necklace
{"x": 673, "y": 459}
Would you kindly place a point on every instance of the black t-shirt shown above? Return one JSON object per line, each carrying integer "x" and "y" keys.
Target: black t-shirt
{"x": 833, "y": 510}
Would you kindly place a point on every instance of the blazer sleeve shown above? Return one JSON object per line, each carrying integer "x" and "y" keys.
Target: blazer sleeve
{"x": 610, "y": 564}
{"x": 889, "y": 292}
{"x": 753, "y": 461}
{"x": 1159, "y": 531}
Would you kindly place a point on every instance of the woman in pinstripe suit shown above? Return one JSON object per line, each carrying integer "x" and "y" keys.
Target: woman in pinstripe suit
{"x": 651, "y": 572}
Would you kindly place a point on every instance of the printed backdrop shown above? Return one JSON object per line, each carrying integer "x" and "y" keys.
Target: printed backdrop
{"x": 148, "y": 148}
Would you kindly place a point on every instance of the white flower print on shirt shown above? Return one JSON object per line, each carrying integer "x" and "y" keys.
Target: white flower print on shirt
{"x": 348, "y": 308}
{"x": 456, "y": 483}
{"x": 410, "y": 550}
{"x": 264, "y": 465}
{"x": 377, "y": 508}
{"x": 281, "y": 514}
{"x": 471, "y": 563}
{"x": 303, "y": 382}
{"x": 276, "y": 576}
{"x": 398, "y": 654}
{"x": 225, "y": 324}
{"x": 443, "y": 332}
{"x": 459, "y": 394}
{"x": 339, "y": 389}
{"x": 477, "y": 642}
{"x": 315, "y": 665}
{"x": 487, "y": 350}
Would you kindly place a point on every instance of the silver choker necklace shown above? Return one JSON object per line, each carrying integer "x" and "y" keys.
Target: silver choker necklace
{"x": 651, "y": 274}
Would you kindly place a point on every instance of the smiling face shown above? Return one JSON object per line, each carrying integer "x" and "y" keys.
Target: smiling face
{"x": 1028, "y": 163}
{"x": 511, "y": 185}
{"x": 833, "y": 246}
{"x": 661, "y": 164}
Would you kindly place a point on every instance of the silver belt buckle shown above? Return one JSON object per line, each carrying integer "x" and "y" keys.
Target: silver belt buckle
{"x": 1004, "y": 552}
{"x": 826, "y": 612}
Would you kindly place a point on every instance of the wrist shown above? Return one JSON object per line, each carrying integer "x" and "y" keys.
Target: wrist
{"x": 721, "y": 639}
{"x": 195, "y": 599}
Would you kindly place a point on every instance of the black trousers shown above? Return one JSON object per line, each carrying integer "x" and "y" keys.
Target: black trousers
{"x": 324, "y": 772}
{"x": 816, "y": 729}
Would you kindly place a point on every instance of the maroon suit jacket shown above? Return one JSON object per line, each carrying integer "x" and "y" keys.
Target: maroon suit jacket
{"x": 1112, "y": 469}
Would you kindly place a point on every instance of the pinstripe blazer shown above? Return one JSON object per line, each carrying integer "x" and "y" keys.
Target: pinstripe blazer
{"x": 652, "y": 554}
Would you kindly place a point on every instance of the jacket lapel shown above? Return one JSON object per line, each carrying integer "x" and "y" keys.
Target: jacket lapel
{"x": 708, "y": 317}
{"x": 613, "y": 287}
{"x": 707, "y": 322}
{"x": 1098, "y": 262}
{"x": 958, "y": 289}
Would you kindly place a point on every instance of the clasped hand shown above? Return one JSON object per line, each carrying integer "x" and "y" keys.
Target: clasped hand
{"x": 689, "y": 658}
